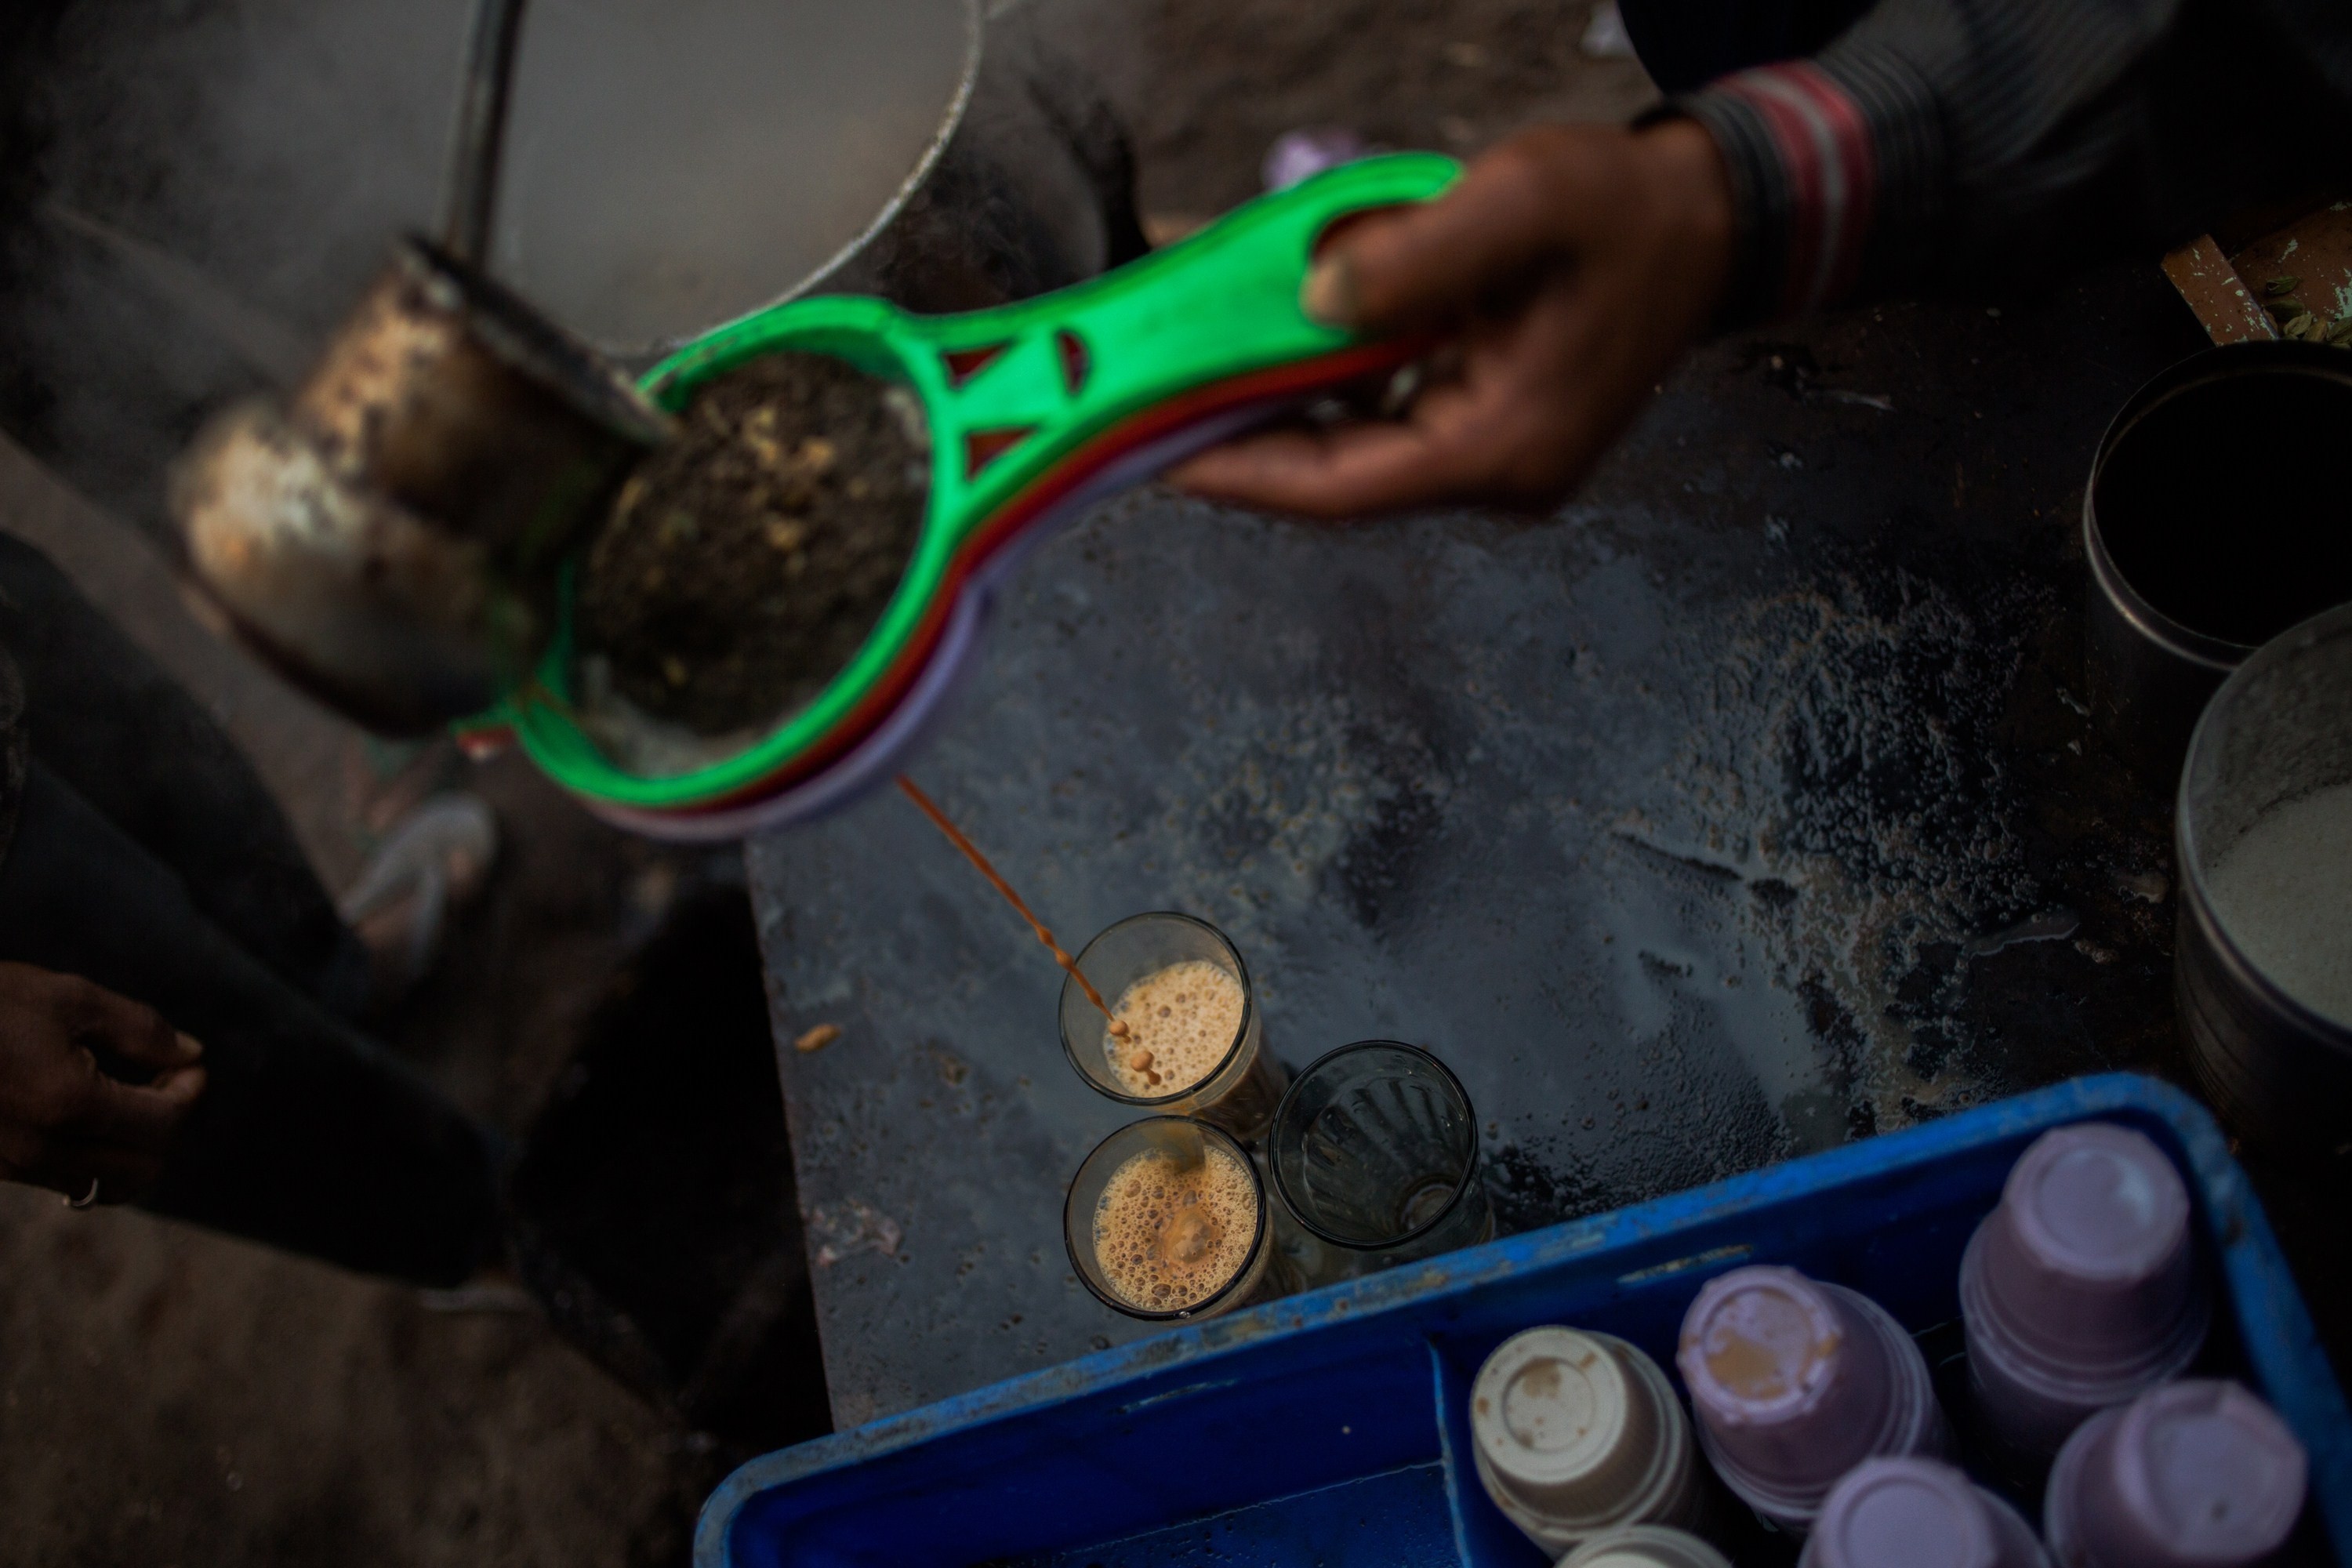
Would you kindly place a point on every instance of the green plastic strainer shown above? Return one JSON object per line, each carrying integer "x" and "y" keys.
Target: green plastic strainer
{"x": 1035, "y": 410}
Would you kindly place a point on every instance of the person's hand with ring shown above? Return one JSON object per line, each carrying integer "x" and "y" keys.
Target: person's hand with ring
{"x": 70, "y": 1119}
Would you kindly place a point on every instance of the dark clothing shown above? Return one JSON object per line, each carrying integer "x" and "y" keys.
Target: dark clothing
{"x": 1949, "y": 145}
{"x": 149, "y": 859}
{"x": 135, "y": 746}
{"x": 1687, "y": 44}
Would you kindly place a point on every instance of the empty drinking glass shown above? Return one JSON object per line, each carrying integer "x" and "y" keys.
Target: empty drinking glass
{"x": 1374, "y": 1151}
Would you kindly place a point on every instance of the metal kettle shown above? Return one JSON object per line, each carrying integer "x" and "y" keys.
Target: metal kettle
{"x": 388, "y": 536}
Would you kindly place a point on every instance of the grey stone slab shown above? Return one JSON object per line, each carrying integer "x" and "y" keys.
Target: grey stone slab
{"x": 1740, "y": 809}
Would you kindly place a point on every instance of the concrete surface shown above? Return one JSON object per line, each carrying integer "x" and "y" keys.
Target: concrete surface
{"x": 1740, "y": 809}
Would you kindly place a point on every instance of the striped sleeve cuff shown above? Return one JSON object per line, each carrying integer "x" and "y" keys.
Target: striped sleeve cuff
{"x": 1833, "y": 164}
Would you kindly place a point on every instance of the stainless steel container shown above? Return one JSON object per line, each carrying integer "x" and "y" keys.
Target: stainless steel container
{"x": 215, "y": 183}
{"x": 2215, "y": 518}
{"x": 389, "y": 539}
{"x": 2280, "y": 727}
{"x": 676, "y": 165}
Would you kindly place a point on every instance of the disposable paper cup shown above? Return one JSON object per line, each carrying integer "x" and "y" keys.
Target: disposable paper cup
{"x": 1645, "y": 1546}
{"x": 1576, "y": 1433}
{"x": 1917, "y": 1514}
{"x": 1795, "y": 1382}
{"x": 2196, "y": 1474}
{"x": 2081, "y": 1290}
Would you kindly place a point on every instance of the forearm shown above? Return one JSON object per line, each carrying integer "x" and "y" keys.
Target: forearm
{"x": 1946, "y": 145}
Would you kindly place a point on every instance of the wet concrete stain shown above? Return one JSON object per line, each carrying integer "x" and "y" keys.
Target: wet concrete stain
{"x": 1528, "y": 1190}
{"x": 1725, "y": 817}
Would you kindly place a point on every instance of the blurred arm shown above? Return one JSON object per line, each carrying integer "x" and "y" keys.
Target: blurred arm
{"x": 1965, "y": 145}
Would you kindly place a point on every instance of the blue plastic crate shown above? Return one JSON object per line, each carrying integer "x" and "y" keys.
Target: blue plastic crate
{"x": 1331, "y": 1428}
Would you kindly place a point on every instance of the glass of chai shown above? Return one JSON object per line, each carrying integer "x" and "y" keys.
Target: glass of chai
{"x": 1193, "y": 1043}
{"x": 1375, "y": 1151}
{"x": 1166, "y": 1220}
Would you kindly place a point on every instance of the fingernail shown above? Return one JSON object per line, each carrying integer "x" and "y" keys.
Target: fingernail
{"x": 1329, "y": 294}
{"x": 189, "y": 1050}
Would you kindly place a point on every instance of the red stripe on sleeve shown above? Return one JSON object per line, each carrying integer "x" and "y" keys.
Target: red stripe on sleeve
{"x": 1849, "y": 135}
{"x": 1831, "y": 174}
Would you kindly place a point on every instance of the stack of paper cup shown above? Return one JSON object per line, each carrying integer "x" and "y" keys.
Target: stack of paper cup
{"x": 1795, "y": 1382}
{"x": 2081, "y": 1290}
{"x": 1645, "y": 1546}
{"x": 1575, "y": 1433}
{"x": 2199, "y": 1474}
{"x": 1917, "y": 1514}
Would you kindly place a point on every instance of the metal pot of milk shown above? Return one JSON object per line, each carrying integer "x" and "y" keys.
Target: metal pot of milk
{"x": 2262, "y": 963}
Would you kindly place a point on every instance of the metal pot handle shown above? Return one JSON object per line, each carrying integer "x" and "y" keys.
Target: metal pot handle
{"x": 477, "y": 140}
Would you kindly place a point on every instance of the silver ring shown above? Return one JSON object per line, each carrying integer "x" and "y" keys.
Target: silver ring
{"x": 86, "y": 1198}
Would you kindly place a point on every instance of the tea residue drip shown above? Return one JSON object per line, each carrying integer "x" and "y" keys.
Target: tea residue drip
{"x": 1761, "y": 1346}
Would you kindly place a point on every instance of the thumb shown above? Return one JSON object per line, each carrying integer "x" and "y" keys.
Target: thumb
{"x": 1437, "y": 260}
{"x": 178, "y": 1085}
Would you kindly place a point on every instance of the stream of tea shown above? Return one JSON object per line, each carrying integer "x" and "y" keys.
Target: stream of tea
{"x": 971, "y": 852}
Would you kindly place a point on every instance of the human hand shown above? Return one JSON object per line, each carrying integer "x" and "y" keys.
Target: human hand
{"x": 1570, "y": 267}
{"x": 65, "y": 1122}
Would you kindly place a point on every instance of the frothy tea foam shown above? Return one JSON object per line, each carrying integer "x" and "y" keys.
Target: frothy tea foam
{"x": 2281, "y": 892}
{"x": 1169, "y": 1236}
{"x": 1181, "y": 1021}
